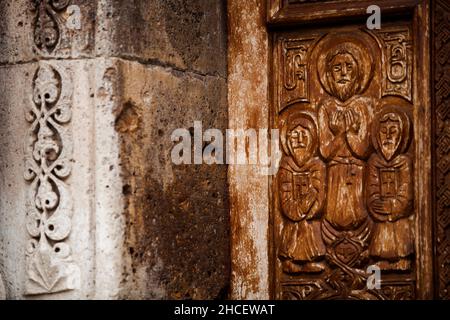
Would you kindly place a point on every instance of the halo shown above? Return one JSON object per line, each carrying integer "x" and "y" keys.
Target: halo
{"x": 356, "y": 47}
{"x": 292, "y": 121}
{"x": 406, "y": 128}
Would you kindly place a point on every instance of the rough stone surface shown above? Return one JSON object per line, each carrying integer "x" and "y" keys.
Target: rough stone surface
{"x": 17, "y": 21}
{"x": 248, "y": 108}
{"x": 176, "y": 215}
{"x": 184, "y": 34}
{"x": 2, "y": 289}
{"x": 15, "y": 94}
{"x": 142, "y": 227}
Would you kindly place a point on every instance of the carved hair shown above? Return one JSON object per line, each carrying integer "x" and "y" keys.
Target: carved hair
{"x": 358, "y": 50}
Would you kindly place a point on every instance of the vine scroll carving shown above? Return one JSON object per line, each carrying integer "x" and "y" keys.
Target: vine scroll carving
{"x": 48, "y": 163}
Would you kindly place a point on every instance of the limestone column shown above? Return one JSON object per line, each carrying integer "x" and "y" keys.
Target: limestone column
{"x": 90, "y": 204}
{"x": 2, "y": 289}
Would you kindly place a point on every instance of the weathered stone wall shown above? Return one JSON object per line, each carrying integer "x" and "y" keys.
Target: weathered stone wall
{"x": 141, "y": 227}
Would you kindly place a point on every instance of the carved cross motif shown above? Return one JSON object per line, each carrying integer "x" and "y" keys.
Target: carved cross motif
{"x": 388, "y": 183}
{"x": 335, "y": 222}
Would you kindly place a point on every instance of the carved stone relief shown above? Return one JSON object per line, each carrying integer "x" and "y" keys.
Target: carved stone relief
{"x": 344, "y": 197}
{"x": 48, "y": 162}
{"x": 48, "y": 23}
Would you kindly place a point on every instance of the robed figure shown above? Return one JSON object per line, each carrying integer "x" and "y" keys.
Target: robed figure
{"x": 344, "y": 132}
{"x": 301, "y": 181}
{"x": 390, "y": 191}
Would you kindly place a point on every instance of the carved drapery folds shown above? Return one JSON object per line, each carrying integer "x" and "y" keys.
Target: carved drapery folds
{"x": 48, "y": 157}
{"x": 47, "y": 23}
{"x": 344, "y": 197}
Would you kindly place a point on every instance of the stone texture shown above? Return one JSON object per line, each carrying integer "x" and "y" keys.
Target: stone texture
{"x": 16, "y": 81}
{"x": 141, "y": 226}
{"x": 2, "y": 289}
{"x": 176, "y": 216}
{"x": 17, "y": 21}
{"x": 248, "y": 108}
{"x": 183, "y": 34}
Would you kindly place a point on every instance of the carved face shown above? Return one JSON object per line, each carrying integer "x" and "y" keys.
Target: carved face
{"x": 390, "y": 135}
{"x": 300, "y": 140}
{"x": 343, "y": 74}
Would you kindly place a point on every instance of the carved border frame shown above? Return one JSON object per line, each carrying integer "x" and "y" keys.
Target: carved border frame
{"x": 285, "y": 12}
{"x": 440, "y": 82}
{"x": 249, "y": 61}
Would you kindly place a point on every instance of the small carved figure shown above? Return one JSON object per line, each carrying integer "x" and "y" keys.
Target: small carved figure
{"x": 302, "y": 191}
{"x": 344, "y": 131}
{"x": 389, "y": 191}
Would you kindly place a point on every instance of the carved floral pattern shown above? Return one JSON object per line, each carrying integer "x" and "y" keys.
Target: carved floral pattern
{"x": 48, "y": 23}
{"x": 48, "y": 155}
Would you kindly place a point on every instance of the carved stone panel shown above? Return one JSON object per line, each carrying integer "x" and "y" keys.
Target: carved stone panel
{"x": 48, "y": 163}
{"x": 344, "y": 198}
{"x": 48, "y": 23}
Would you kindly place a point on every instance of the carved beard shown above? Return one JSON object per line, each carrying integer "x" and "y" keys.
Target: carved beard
{"x": 389, "y": 150}
{"x": 301, "y": 155}
{"x": 343, "y": 91}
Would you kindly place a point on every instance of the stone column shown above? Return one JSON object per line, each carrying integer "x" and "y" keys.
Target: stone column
{"x": 2, "y": 289}
{"x": 91, "y": 205}
{"x": 249, "y": 189}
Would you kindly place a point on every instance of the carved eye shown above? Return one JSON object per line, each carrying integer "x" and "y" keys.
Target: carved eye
{"x": 337, "y": 68}
{"x": 393, "y": 130}
{"x": 349, "y": 66}
{"x": 384, "y": 130}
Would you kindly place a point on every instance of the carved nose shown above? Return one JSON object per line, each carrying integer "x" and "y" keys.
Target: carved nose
{"x": 302, "y": 138}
